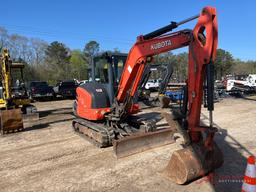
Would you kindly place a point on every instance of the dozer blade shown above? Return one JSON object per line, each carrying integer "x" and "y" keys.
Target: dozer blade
{"x": 140, "y": 142}
{"x": 193, "y": 162}
{"x": 11, "y": 120}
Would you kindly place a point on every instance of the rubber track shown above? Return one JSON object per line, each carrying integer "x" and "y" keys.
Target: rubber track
{"x": 97, "y": 127}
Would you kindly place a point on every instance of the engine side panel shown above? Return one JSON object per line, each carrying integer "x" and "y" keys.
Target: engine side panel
{"x": 92, "y": 101}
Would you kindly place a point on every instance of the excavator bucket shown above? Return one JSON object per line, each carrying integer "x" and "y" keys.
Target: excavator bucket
{"x": 142, "y": 141}
{"x": 11, "y": 121}
{"x": 193, "y": 162}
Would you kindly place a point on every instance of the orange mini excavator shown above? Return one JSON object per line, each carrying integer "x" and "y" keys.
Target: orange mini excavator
{"x": 105, "y": 122}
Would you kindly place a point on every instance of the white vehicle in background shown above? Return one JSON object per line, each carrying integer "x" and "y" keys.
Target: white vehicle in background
{"x": 83, "y": 81}
{"x": 87, "y": 81}
{"x": 247, "y": 84}
{"x": 230, "y": 84}
{"x": 153, "y": 84}
{"x": 251, "y": 80}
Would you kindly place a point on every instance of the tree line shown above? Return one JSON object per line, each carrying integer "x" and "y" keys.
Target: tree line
{"x": 55, "y": 61}
{"x": 48, "y": 62}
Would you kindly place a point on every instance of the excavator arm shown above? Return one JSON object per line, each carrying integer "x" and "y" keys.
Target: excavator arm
{"x": 141, "y": 53}
{"x": 202, "y": 43}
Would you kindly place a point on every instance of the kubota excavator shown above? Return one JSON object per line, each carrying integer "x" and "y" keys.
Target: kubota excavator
{"x": 115, "y": 124}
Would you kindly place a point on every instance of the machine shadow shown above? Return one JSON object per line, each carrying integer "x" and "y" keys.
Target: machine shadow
{"x": 66, "y": 110}
{"x": 229, "y": 177}
{"x": 47, "y": 117}
{"x": 157, "y": 117}
{"x": 249, "y": 99}
{"x": 45, "y": 125}
{"x": 144, "y": 106}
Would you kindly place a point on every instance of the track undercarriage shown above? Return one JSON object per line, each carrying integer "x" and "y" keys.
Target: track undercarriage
{"x": 127, "y": 138}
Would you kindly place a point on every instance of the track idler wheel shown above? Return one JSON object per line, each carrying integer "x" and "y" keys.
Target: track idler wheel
{"x": 193, "y": 162}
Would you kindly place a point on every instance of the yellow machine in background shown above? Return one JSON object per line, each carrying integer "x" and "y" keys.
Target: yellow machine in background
{"x": 15, "y": 104}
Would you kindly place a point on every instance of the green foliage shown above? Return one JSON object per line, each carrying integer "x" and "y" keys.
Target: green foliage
{"x": 57, "y": 61}
{"x": 223, "y": 63}
{"x": 29, "y": 72}
{"x": 91, "y": 48}
{"x": 179, "y": 63}
{"x": 244, "y": 67}
{"x": 181, "y": 66}
{"x": 79, "y": 65}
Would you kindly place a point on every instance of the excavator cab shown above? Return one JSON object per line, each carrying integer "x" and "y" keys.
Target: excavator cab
{"x": 107, "y": 69}
{"x": 105, "y": 74}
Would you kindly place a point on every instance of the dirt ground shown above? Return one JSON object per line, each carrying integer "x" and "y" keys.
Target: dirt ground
{"x": 51, "y": 157}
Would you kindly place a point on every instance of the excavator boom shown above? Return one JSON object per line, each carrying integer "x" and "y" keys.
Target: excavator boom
{"x": 141, "y": 53}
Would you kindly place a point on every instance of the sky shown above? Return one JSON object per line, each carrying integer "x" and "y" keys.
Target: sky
{"x": 117, "y": 23}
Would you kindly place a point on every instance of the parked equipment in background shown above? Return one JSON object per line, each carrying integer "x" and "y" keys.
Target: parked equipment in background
{"x": 106, "y": 123}
{"x": 144, "y": 94}
{"x": 153, "y": 84}
{"x": 40, "y": 90}
{"x": 245, "y": 83}
{"x": 14, "y": 103}
{"x": 175, "y": 96}
{"x": 66, "y": 89}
